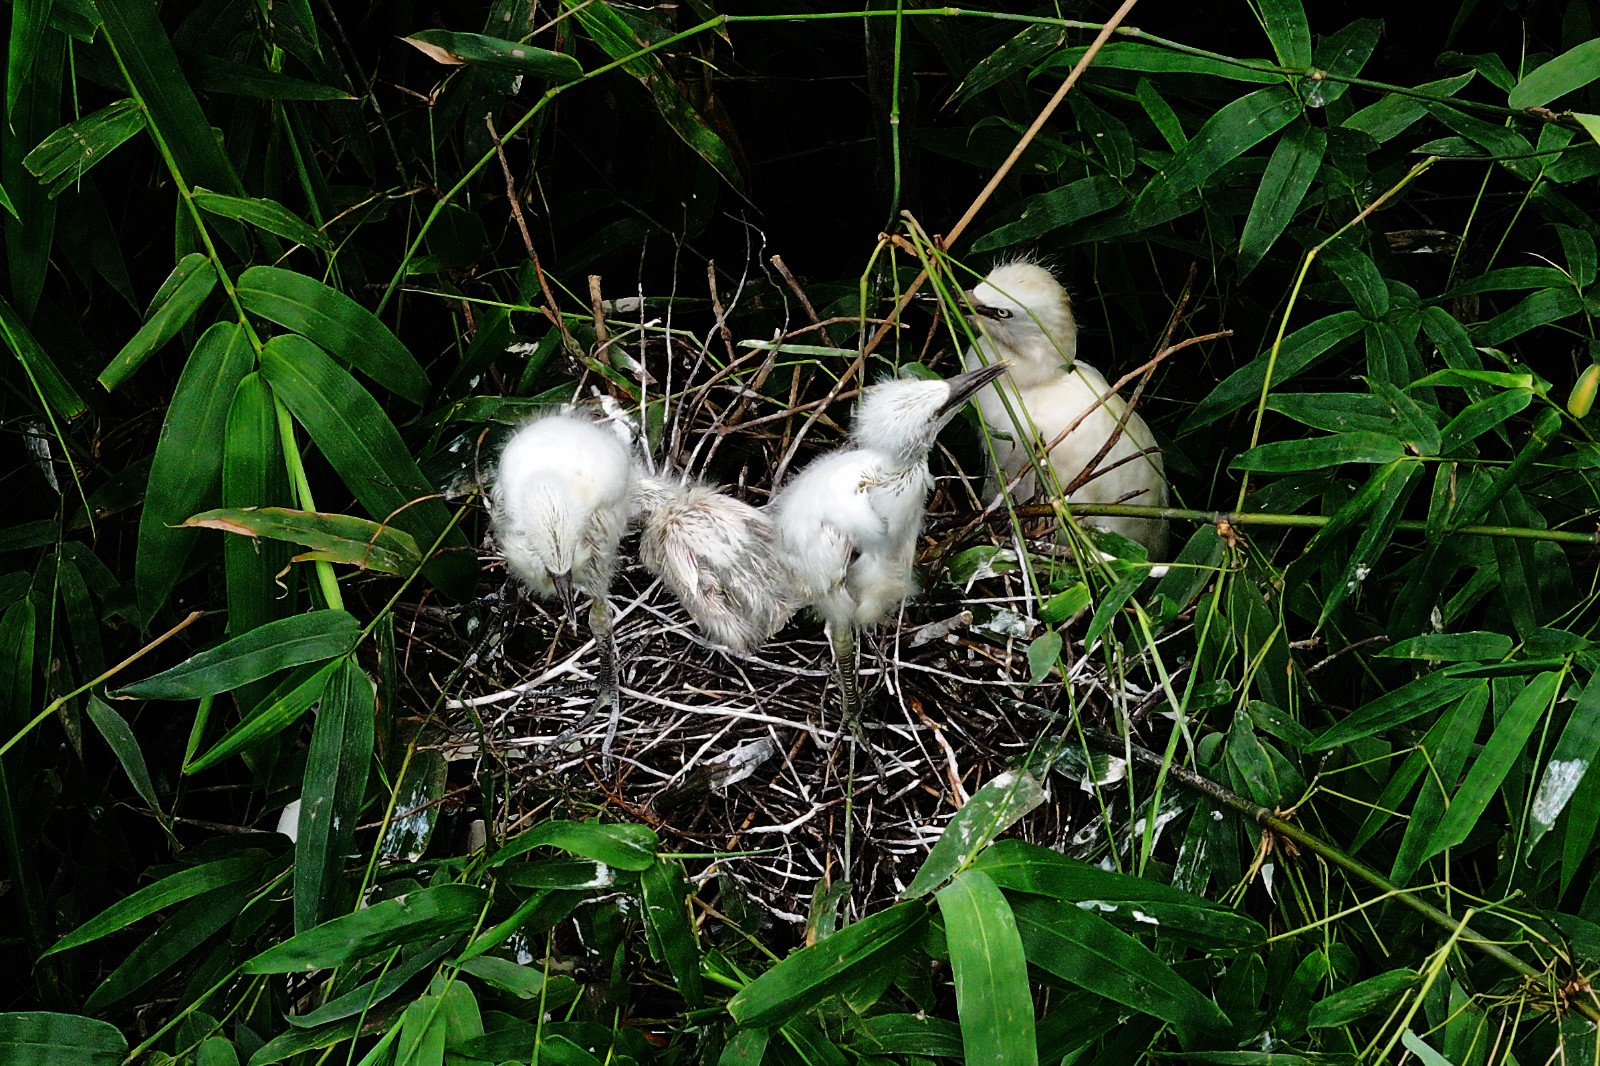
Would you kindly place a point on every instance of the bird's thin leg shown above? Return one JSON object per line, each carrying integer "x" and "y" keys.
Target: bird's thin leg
{"x": 605, "y": 683}
{"x": 843, "y": 640}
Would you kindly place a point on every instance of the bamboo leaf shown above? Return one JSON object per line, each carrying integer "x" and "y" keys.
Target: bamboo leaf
{"x": 183, "y": 933}
{"x": 253, "y": 473}
{"x": 1079, "y": 947}
{"x": 990, "y": 972}
{"x": 264, "y": 214}
{"x": 305, "y": 638}
{"x": 167, "y": 892}
{"x": 1335, "y": 412}
{"x": 45, "y": 378}
{"x": 828, "y": 967}
{"x": 666, "y": 915}
{"x": 1409, "y": 701}
{"x": 1380, "y": 526}
{"x": 187, "y": 467}
{"x": 1446, "y": 754}
{"x": 1284, "y": 456}
{"x": 413, "y": 918}
{"x": 992, "y": 810}
{"x": 1567, "y": 72}
{"x": 627, "y": 847}
{"x": 181, "y": 295}
{"x": 1293, "y": 166}
{"x": 1571, "y": 761}
{"x": 63, "y": 158}
{"x": 1049, "y": 211}
{"x": 1359, "y": 275}
{"x": 113, "y": 729}
{"x": 1287, "y": 29}
{"x": 366, "y": 451}
{"x": 445, "y": 46}
{"x": 40, "y": 1038}
{"x": 1396, "y": 112}
{"x": 1489, "y": 769}
{"x": 217, "y": 75}
{"x": 277, "y": 710}
{"x": 1301, "y": 350}
{"x": 336, "y": 538}
{"x": 1226, "y": 135}
{"x": 344, "y": 328}
{"x": 332, "y": 791}
{"x": 1152, "y": 59}
{"x": 1452, "y": 647}
{"x": 1539, "y": 309}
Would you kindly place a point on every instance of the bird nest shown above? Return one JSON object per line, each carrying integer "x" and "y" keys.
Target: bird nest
{"x": 744, "y": 759}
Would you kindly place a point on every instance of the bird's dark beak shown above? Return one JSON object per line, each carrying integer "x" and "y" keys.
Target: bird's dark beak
{"x": 569, "y": 598}
{"x": 979, "y": 308}
{"x": 962, "y": 386}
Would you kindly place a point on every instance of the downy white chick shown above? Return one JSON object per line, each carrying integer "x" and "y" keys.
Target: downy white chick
{"x": 718, "y": 556}
{"x": 560, "y": 504}
{"x": 1024, "y": 317}
{"x": 848, "y": 523}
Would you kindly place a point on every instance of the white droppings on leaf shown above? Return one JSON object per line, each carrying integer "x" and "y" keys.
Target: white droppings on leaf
{"x": 289, "y": 820}
{"x": 1147, "y": 919}
{"x": 1560, "y": 781}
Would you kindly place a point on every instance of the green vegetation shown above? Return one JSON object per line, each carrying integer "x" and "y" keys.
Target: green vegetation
{"x": 277, "y": 277}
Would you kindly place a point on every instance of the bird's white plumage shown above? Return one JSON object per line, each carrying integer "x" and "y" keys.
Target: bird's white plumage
{"x": 719, "y": 557}
{"x": 848, "y": 523}
{"x": 1025, "y": 318}
{"x": 561, "y": 502}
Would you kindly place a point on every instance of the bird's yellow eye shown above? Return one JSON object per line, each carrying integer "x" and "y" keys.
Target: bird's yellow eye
{"x": 1001, "y": 312}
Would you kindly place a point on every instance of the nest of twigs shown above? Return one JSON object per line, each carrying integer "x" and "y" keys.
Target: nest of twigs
{"x": 744, "y": 759}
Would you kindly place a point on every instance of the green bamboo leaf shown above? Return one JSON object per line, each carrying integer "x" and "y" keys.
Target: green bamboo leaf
{"x": 276, "y": 711}
{"x": 1301, "y": 350}
{"x": 1359, "y": 446}
{"x": 1411, "y": 700}
{"x": 181, "y": 295}
{"x": 990, "y": 972}
{"x": 1064, "y": 604}
{"x": 369, "y": 994}
{"x": 6, "y": 202}
{"x": 1342, "y": 53}
{"x": 337, "y": 538}
{"x": 344, "y": 328}
{"x": 1571, "y": 761}
{"x": 1335, "y": 412}
{"x": 305, "y": 638}
{"x": 1044, "y": 651}
{"x": 63, "y": 158}
{"x": 524, "y": 982}
{"x": 1359, "y": 275}
{"x": 627, "y": 847}
{"x": 1108, "y": 135}
{"x": 1287, "y": 29}
{"x": 167, "y": 892}
{"x": 114, "y": 730}
{"x": 992, "y": 810}
{"x": 1355, "y": 1002}
{"x": 1578, "y": 246}
{"x": 1447, "y": 754}
{"x": 1294, "y": 164}
{"x": 366, "y": 450}
{"x": 1502, "y": 142}
{"x": 830, "y": 966}
{"x": 1022, "y": 867}
{"x": 264, "y": 214}
{"x": 418, "y": 792}
{"x": 1386, "y": 513}
{"x": 180, "y": 936}
{"x": 44, "y": 377}
{"x": 1590, "y": 123}
{"x": 332, "y": 791}
{"x": 1509, "y": 279}
{"x": 1049, "y": 211}
{"x": 187, "y": 467}
{"x": 40, "y": 1038}
{"x": 1249, "y": 759}
{"x": 36, "y": 74}
{"x": 254, "y": 473}
{"x": 217, "y": 75}
{"x": 156, "y": 80}
{"x": 415, "y": 917}
{"x": 1567, "y": 72}
{"x": 1452, "y": 647}
{"x": 1479, "y": 418}
{"x": 1396, "y": 112}
{"x": 1111, "y": 604}
{"x": 1153, "y": 59}
{"x": 474, "y": 49}
{"x": 1161, "y": 114}
{"x": 1489, "y": 769}
{"x": 619, "y": 39}
{"x": 666, "y": 916}
{"x": 906, "y": 1034}
{"x": 1024, "y": 51}
{"x": 1539, "y": 309}
{"x": 1226, "y": 135}
{"x": 216, "y": 1051}
{"x": 1082, "y": 949}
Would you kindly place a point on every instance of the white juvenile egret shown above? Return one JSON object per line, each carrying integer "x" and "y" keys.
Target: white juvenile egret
{"x": 718, "y": 556}
{"x": 1024, "y": 317}
{"x": 562, "y": 498}
{"x": 848, "y": 523}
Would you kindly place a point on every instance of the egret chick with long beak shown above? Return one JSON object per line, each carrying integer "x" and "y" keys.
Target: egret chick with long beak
{"x": 1024, "y": 317}
{"x": 718, "y": 556}
{"x": 848, "y": 523}
{"x": 561, "y": 501}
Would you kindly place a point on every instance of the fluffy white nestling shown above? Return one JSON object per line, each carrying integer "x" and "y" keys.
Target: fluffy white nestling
{"x": 1024, "y": 317}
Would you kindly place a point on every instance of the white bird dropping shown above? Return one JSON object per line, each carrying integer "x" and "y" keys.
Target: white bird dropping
{"x": 848, "y": 523}
{"x": 1024, "y": 317}
{"x": 719, "y": 557}
{"x": 561, "y": 502}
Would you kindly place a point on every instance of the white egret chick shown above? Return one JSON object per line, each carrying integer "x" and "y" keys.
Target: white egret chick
{"x": 560, "y": 504}
{"x": 848, "y": 523}
{"x": 718, "y": 556}
{"x": 1024, "y": 317}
